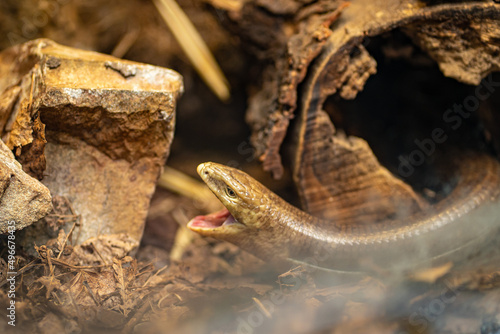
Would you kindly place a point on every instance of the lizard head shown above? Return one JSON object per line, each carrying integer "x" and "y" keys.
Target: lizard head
{"x": 247, "y": 220}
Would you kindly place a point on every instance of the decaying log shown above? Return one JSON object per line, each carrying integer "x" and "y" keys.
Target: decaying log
{"x": 95, "y": 128}
{"x": 337, "y": 175}
{"x": 340, "y": 69}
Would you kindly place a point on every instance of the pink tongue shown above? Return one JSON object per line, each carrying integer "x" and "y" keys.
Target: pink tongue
{"x": 212, "y": 220}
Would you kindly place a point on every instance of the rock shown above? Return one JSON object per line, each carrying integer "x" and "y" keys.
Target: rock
{"x": 23, "y": 199}
{"x": 95, "y": 128}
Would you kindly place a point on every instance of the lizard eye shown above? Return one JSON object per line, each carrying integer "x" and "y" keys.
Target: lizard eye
{"x": 230, "y": 192}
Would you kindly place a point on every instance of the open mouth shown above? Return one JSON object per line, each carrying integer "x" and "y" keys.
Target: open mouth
{"x": 213, "y": 220}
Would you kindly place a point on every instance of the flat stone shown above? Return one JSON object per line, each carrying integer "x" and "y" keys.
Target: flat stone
{"x": 23, "y": 199}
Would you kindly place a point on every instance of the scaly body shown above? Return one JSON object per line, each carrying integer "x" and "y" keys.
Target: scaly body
{"x": 260, "y": 222}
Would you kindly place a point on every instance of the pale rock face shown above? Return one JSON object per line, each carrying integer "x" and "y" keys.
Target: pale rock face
{"x": 23, "y": 199}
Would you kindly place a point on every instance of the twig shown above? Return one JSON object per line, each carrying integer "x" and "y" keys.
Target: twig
{"x": 89, "y": 289}
{"x": 66, "y": 240}
{"x": 98, "y": 253}
{"x": 155, "y": 274}
{"x": 125, "y": 43}
{"x": 262, "y": 307}
{"x": 64, "y": 264}
{"x": 129, "y": 326}
{"x": 21, "y": 271}
{"x": 77, "y": 222}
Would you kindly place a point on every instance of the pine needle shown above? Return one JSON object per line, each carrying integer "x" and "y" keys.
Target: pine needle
{"x": 194, "y": 47}
{"x": 185, "y": 185}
